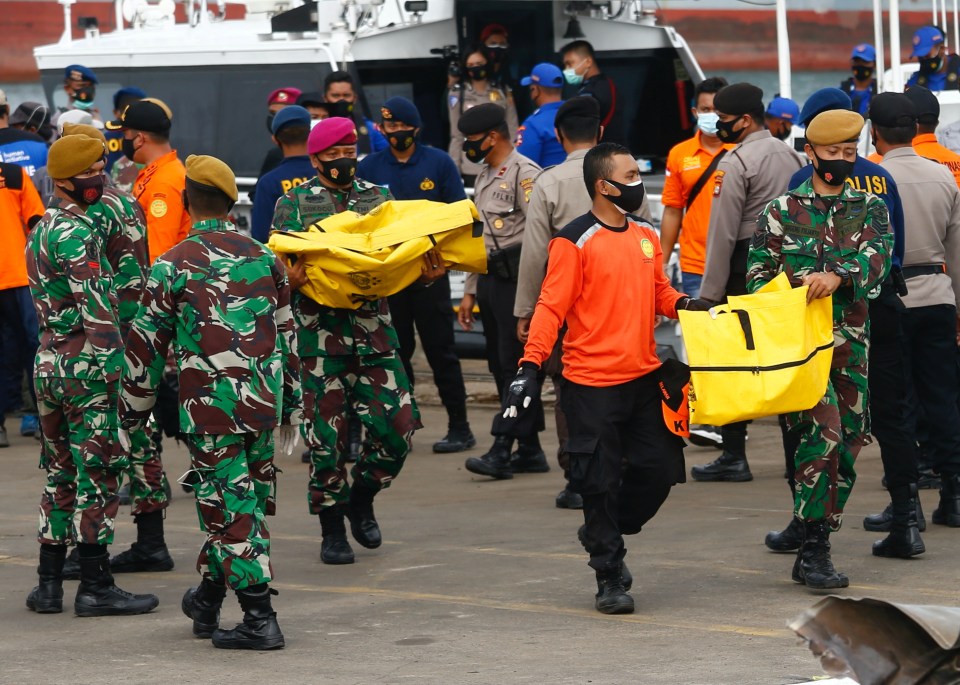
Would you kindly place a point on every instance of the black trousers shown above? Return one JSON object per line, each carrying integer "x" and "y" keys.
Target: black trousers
{"x": 430, "y": 310}
{"x": 931, "y": 345}
{"x": 623, "y": 460}
{"x": 504, "y": 350}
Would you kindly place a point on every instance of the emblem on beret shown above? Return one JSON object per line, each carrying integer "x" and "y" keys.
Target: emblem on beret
{"x": 386, "y": 113}
{"x": 76, "y": 75}
{"x": 282, "y": 96}
{"x": 158, "y": 208}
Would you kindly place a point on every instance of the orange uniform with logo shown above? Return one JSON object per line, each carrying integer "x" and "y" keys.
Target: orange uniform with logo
{"x": 926, "y": 145}
{"x": 158, "y": 190}
{"x": 685, "y": 163}
{"x": 20, "y": 209}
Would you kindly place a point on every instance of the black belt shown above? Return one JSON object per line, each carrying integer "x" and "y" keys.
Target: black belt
{"x": 924, "y": 270}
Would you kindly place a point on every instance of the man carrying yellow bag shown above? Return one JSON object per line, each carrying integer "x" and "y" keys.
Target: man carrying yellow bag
{"x": 835, "y": 240}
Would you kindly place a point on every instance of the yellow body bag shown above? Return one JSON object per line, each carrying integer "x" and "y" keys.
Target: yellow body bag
{"x": 352, "y": 258}
{"x": 758, "y": 355}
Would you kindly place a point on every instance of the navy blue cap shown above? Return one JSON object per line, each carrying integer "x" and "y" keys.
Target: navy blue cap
{"x": 821, "y": 101}
{"x": 864, "y": 51}
{"x": 783, "y": 108}
{"x": 544, "y": 74}
{"x": 78, "y": 72}
{"x": 291, "y": 115}
{"x": 125, "y": 95}
{"x": 401, "y": 109}
{"x": 925, "y": 39}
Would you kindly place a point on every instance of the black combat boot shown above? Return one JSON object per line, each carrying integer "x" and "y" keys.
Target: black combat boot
{"x": 612, "y": 597}
{"x": 459, "y": 438}
{"x": 787, "y": 540}
{"x": 71, "y": 565}
{"x": 568, "y": 499}
{"x": 202, "y": 604}
{"x": 496, "y": 462}
{"x": 334, "y": 549}
{"x": 625, "y": 574}
{"x": 813, "y": 566}
{"x": 882, "y": 522}
{"x": 529, "y": 457}
{"x": 904, "y": 539}
{"x": 948, "y": 512}
{"x": 98, "y": 596}
{"x": 149, "y": 553}
{"x": 47, "y": 597}
{"x": 727, "y": 467}
{"x": 259, "y": 629}
{"x": 363, "y": 524}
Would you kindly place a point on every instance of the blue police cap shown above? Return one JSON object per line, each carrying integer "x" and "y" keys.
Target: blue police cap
{"x": 544, "y": 74}
{"x": 291, "y": 115}
{"x": 823, "y": 100}
{"x": 864, "y": 51}
{"x": 401, "y": 109}
{"x": 78, "y": 72}
{"x": 783, "y": 108}
{"x": 124, "y": 95}
{"x": 925, "y": 39}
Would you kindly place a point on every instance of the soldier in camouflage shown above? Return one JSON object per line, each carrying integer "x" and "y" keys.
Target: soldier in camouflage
{"x": 77, "y": 368}
{"x": 223, "y": 301}
{"x": 835, "y": 240}
{"x": 350, "y": 359}
{"x": 121, "y": 229}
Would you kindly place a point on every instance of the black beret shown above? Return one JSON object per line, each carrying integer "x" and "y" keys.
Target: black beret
{"x": 738, "y": 98}
{"x": 580, "y": 106}
{"x": 892, "y": 110}
{"x": 481, "y": 118}
{"x": 311, "y": 98}
{"x": 150, "y": 115}
{"x": 926, "y": 104}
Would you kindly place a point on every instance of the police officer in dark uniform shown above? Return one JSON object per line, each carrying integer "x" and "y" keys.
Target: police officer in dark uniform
{"x": 938, "y": 70}
{"x": 113, "y": 133}
{"x": 340, "y": 94}
{"x": 414, "y": 171}
{"x": 290, "y": 127}
{"x": 862, "y": 85}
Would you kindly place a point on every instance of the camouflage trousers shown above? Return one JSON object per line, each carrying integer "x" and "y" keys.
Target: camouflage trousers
{"x": 148, "y": 482}
{"x": 235, "y": 482}
{"x": 378, "y": 391}
{"x": 830, "y": 436}
{"x": 82, "y": 459}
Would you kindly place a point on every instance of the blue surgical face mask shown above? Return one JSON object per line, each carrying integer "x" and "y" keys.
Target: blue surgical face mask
{"x": 571, "y": 76}
{"x": 707, "y": 122}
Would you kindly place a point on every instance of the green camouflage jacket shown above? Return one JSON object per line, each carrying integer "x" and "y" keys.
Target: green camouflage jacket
{"x": 800, "y": 233}
{"x": 325, "y": 331}
{"x": 74, "y": 299}
{"x": 223, "y": 300}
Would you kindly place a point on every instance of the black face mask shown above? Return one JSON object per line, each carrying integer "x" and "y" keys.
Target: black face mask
{"x": 862, "y": 73}
{"x": 477, "y": 73}
{"x": 128, "y": 150}
{"x": 725, "y": 131}
{"x": 340, "y": 108}
{"x": 270, "y": 121}
{"x": 86, "y": 191}
{"x": 473, "y": 150}
{"x": 85, "y": 95}
{"x": 630, "y": 198}
{"x": 931, "y": 65}
{"x": 339, "y": 172}
{"x": 402, "y": 140}
{"x": 497, "y": 55}
{"x": 833, "y": 172}
{"x": 782, "y": 133}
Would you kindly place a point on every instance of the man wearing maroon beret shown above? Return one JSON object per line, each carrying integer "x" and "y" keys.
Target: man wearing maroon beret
{"x": 277, "y": 100}
{"x": 349, "y": 357}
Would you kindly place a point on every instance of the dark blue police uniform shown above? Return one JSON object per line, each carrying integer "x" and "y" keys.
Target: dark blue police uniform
{"x": 291, "y": 172}
{"x": 536, "y": 138}
{"x": 429, "y": 174}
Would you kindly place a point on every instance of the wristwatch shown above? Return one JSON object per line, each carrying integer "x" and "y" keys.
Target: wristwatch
{"x": 840, "y": 271}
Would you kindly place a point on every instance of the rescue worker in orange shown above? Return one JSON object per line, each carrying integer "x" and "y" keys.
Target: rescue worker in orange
{"x": 160, "y": 184}
{"x": 925, "y": 143}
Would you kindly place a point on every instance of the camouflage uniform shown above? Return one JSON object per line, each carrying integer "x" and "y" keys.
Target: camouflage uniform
{"x": 223, "y": 300}
{"x": 800, "y": 233}
{"x": 76, "y": 373}
{"x": 350, "y": 360}
{"x": 122, "y": 228}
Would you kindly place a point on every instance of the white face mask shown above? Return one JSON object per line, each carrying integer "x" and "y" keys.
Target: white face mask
{"x": 707, "y": 122}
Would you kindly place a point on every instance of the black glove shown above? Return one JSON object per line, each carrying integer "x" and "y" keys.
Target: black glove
{"x": 694, "y": 304}
{"x": 522, "y": 391}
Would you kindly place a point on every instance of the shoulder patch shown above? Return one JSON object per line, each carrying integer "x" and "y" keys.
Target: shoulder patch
{"x": 718, "y": 183}
{"x": 158, "y": 208}
{"x": 575, "y": 230}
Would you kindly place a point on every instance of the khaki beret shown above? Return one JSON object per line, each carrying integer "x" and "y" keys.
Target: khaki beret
{"x": 72, "y": 155}
{"x": 84, "y": 130}
{"x": 210, "y": 171}
{"x": 834, "y": 126}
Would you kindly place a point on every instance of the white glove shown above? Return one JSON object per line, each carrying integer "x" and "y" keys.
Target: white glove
{"x": 289, "y": 439}
{"x": 123, "y": 437}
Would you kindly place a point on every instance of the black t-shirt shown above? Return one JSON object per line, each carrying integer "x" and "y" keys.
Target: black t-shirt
{"x": 604, "y": 90}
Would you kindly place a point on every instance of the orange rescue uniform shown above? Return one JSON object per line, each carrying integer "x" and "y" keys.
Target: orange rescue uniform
{"x": 686, "y": 161}
{"x": 20, "y": 209}
{"x": 158, "y": 189}
{"x": 608, "y": 284}
{"x": 926, "y": 145}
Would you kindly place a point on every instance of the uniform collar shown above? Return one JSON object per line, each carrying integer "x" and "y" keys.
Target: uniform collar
{"x": 209, "y": 225}
{"x": 162, "y": 161}
{"x": 905, "y": 151}
{"x": 925, "y": 138}
{"x": 756, "y": 135}
{"x": 805, "y": 191}
{"x": 549, "y": 106}
{"x": 411, "y": 160}
{"x": 698, "y": 136}
{"x": 577, "y": 154}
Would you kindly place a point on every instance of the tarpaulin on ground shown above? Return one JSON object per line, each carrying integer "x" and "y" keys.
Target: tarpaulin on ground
{"x": 352, "y": 258}
{"x": 758, "y": 355}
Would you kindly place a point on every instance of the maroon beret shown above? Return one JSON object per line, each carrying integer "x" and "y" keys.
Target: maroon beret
{"x": 330, "y": 132}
